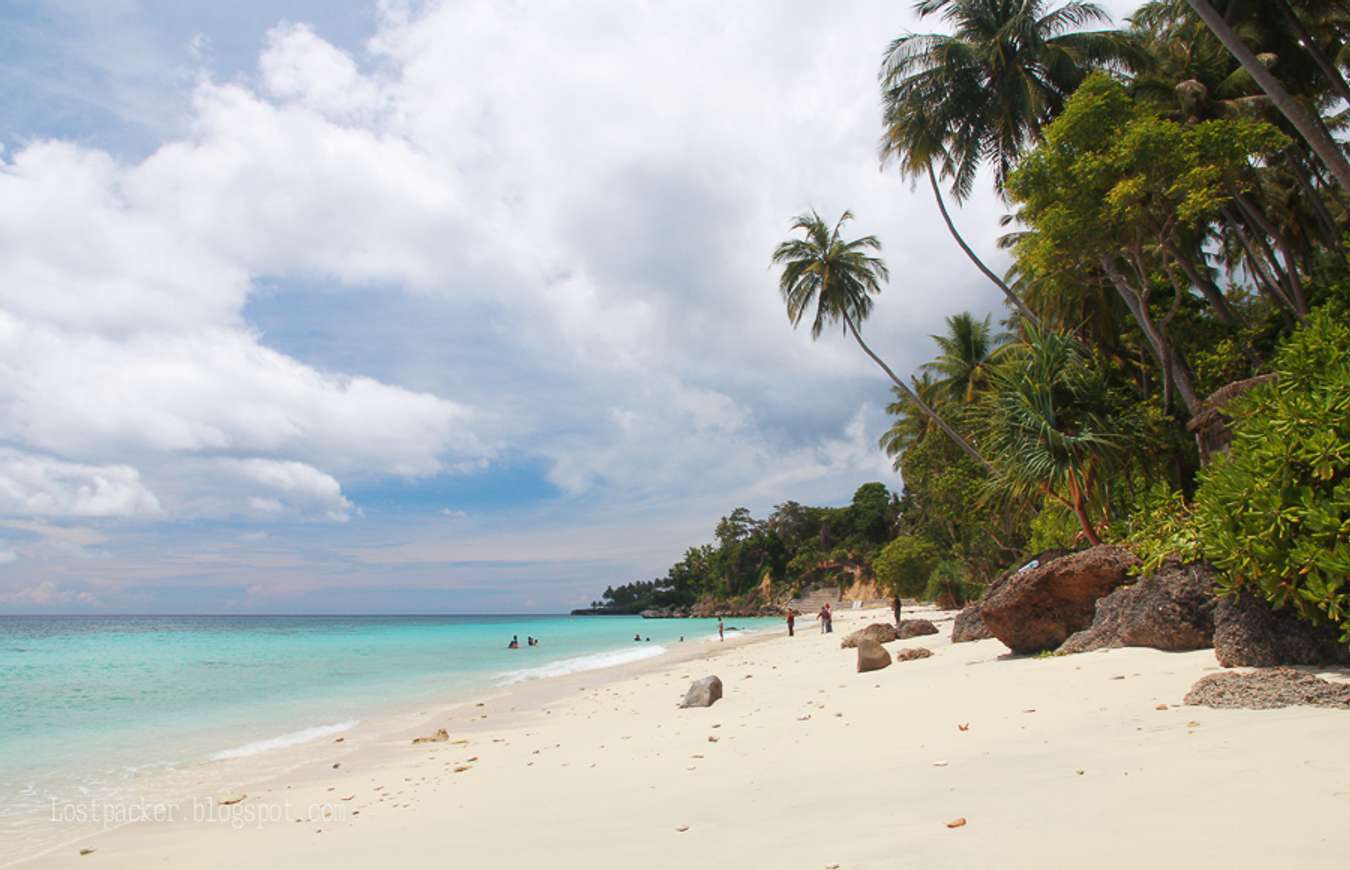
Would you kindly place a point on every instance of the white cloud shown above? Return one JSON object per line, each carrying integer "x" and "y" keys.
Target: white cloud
{"x": 299, "y": 66}
{"x": 576, "y": 204}
{"x": 8, "y": 556}
{"x": 34, "y": 485}
{"x": 304, "y": 486}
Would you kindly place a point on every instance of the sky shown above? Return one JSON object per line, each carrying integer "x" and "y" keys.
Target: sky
{"x": 458, "y": 306}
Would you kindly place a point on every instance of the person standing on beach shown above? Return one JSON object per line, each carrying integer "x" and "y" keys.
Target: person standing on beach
{"x": 721, "y": 630}
{"x": 829, "y": 619}
{"x": 791, "y": 620}
{"x": 823, "y": 617}
{"x": 895, "y": 605}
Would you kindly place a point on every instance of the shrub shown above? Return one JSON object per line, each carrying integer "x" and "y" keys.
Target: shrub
{"x": 1160, "y": 527}
{"x": 1053, "y": 528}
{"x": 1274, "y": 514}
{"x": 950, "y": 585}
{"x": 902, "y": 567}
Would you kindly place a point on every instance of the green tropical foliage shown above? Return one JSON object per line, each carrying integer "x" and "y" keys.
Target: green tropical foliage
{"x": 1179, "y": 204}
{"x": 754, "y": 562}
{"x": 1274, "y": 514}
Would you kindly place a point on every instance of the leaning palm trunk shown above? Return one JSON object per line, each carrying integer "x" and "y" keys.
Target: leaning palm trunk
{"x": 922, "y": 405}
{"x": 951, "y": 227}
{"x": 1316, "y": 136}
{"x": 1334, "y": 77}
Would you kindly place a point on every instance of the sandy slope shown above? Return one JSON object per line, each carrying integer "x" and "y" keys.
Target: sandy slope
{"x": 1064, "y": 764}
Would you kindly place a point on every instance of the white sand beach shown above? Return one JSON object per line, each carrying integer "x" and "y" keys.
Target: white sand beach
{"x": 1087, "y": 760}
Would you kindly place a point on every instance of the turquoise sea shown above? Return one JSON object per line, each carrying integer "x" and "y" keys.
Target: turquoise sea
{"x": 93, "y": 708}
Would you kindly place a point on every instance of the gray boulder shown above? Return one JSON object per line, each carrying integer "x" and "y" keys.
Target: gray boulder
{"x": 872, "y": 656}
{"x": 1268, "y": 690}
{"x": 1248, "y": 633}
{"x": 915, "y": 628}
{"x": 969, "y": 624}
{"x": 878, "y": 631}
{"x": 1038, "y": 608}
{"x": 1172, "y": 610}
{"x": 703, "y": 693}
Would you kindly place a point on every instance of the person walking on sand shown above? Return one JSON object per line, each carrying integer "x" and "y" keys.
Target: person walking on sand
{"x": 721, "y": 629}
{"x": 895, "y": 605}
{"x": 791, "y": 620}
{"x": 829, "y": 619}
{"x": 823, "y": 617}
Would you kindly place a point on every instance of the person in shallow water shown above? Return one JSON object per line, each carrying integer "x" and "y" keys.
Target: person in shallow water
{"x": 637, "y": 638}
{"x": 515, "y": 642}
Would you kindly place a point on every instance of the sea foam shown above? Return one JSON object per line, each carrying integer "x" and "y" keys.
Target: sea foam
{"x": 294, "y": 738}
{"x": 591, "y": 662}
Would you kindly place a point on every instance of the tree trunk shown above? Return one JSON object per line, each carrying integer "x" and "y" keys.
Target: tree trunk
{"x": 1267, "y": 229}
{"x": 1080, "y": 511}
{"x": 1206, "y": 286}
{"x": 1334, "y": 77}
{"x": 914, "y": 397}
{"x": 1173, "y": 366}
{"x": 1300, "y": 172}
{"x": 1324, "y": 146}
{"x": 1265, "y": 282}
{"x": 951, "y": 228}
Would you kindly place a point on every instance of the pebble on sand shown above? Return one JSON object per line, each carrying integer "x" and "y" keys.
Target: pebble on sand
{"x": 958, "y": 822}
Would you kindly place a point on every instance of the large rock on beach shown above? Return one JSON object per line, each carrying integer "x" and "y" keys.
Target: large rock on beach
{"x": 703, "y": 693}
{"x": 1248, "y": 633}
{"x": 880, "y": 632}
{"x": 1038, "y": 608}
{"x": 872, "y": 656}
{"x": 1267, "y": 690}
{"x": 1171, "y": 610}
{"x": 915, "y": 628}
{"x": 969, "y": 624}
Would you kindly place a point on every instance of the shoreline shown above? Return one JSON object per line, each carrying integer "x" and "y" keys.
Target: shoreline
{"x": 1063, "y": 759}
{"x": 232, "y": 770}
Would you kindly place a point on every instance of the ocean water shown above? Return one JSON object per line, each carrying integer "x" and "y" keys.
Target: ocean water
{"x": 102, "y": 708}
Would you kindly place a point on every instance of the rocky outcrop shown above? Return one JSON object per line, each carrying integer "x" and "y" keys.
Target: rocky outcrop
{"x": 1267, "y": 690}
{"x": 1038, "y": 608}
{"x": 969, "y": 624}
{"x": 910, "y": 653}
{"x": 915, "y": 628}
{"x": 878, "y": 631}
{"x": 872, "y": 656}
{"x": 1248, "y": 633}
{"x": 703, "y": 693}
{"x": 1172, "y": 610}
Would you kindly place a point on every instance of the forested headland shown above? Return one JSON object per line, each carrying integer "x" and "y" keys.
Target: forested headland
{"x": 1171, "y": 366}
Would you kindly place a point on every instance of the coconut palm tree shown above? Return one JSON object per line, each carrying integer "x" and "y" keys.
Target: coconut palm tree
{"x": 964, "y": 356}
{"x": 1051, "y": 427}
{"x": 1314, "y": 133}
{"x": 985, "y": 91}
{"x": 839, "y": 278}
{"x": 909, "y": 425}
